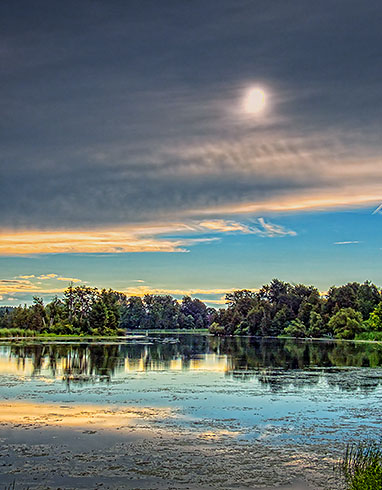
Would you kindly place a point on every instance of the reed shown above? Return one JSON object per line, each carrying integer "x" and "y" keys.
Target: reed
{"x": 361, "y": 466}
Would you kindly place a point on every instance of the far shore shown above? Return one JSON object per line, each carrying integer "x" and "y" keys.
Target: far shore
{"x": 131, "y": 335}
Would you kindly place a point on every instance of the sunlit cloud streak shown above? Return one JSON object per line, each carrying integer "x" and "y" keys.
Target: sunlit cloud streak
{"x": 133, "y": 239}
{"x": 350, "y": 242}
{"x": 378, "y": 210}
{"x": 264, "y": 229}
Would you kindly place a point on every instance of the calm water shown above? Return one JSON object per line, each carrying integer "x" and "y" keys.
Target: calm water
{"x": 260, "y": 389}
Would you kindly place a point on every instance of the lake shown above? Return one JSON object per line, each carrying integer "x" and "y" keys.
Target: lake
{"x": 267, "y": 388}
{"x": 274, "y": 392}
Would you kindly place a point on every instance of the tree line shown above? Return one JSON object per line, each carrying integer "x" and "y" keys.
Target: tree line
{"x": 295, "y": 310}
{"x": 350, "y": 311}
{"x": 89, "y": 311}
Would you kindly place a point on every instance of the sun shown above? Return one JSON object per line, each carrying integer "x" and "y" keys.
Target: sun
{"x": 254, "y": 101}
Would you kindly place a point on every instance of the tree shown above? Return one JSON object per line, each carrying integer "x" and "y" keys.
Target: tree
{"x": 195, "y": 309}
{"x": 241, "y": 301}
{"x": 342, "y": 297}
{"x": 161, "y": 312}
{"x": 37, "y": 315}
{"x": 317, "y": 326}
{"x": 368, "y": 297}
{"x": 346, "y": 323}
{"x": 133, "y": 313}
{"x": 55, "y": 311}
{"x": 99, "y": 318}
{"x": 78, "y": 305}
{"x": 374, "y": 323}
{"x": 296, "y": 329}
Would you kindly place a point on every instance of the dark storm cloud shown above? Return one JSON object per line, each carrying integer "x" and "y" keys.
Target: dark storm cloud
{"x": 117, "y": 112}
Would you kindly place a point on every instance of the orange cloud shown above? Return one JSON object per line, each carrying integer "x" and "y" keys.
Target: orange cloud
{"x": 138, "y": 239}
{"x": 142, "y": 290}
{"x": 14, "y": 286}
{"x": 345, "y": 198}
{"x": 69, "y": 279}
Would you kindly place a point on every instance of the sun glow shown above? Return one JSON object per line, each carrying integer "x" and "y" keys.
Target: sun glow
{"x": 254, "y": 101}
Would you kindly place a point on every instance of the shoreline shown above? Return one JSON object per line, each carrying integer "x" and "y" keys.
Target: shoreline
{"x": 133, "y": 336}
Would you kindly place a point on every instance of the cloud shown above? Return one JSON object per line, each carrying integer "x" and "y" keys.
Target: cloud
{"x": 111, "y": 145}
{"x": 221, "y": 225}
{"x": 69, "y": 279}
{"x": 14, "y": 286}
{"x": 264, "y": 229}
{"x": 213, "y": 296}
{"x": 45, "y": 277}
{"x": 272, "y": 230}
{"x": 206, "y": 295}
{"x": 350, "y": 242}
{"x": 130, "y": 239}
{"x": 27, "y": 277}
{"x": 91, "y": 241}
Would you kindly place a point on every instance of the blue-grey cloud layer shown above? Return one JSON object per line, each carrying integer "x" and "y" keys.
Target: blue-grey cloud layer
{"x": 118, "y": 112}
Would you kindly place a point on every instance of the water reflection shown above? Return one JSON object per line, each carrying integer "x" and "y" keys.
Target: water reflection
{"x": 273, "y": 362}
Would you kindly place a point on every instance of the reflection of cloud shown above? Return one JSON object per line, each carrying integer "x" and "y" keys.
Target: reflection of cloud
{"x": 34, "y": 414}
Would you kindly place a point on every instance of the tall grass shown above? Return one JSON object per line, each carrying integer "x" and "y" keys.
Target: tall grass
{"x": 16, "y": 332}
{"x": 362, "y": 466}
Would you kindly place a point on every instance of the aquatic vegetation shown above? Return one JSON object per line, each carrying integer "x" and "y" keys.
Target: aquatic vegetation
{"x": 362, "y": 466}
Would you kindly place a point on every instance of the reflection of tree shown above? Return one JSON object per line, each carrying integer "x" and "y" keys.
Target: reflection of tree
{"x": 271, "y": 361}
{"x": 277, "y": 363}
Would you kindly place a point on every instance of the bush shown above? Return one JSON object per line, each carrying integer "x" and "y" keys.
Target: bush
{"x": 296, "y": 329}
{"x": 346, "y": 323}
{"x": 216, "y": 329}
{"x": 369, "y": 336}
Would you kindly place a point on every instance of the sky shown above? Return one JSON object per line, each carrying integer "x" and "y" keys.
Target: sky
{"x": 175, "y": 147}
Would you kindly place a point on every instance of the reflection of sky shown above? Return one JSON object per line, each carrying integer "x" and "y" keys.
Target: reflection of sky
{"x": 205, "y": 395}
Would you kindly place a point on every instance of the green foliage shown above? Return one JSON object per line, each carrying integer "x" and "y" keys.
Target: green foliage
{"x": 346, "y": 323}
{"x": 362, "y": 466}
{"x": 216, "y": 329}
{"x": 370, "y": 336}
{"x": 317, "y": 327}
{"x": 296, "y": 329}
{"x": 374, "y": 322}
{"x": 349, "y": 311}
